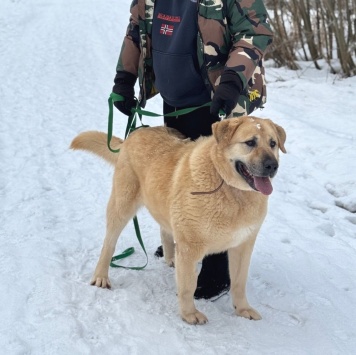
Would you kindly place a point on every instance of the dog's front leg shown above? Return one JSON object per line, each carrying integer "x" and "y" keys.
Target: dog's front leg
{"x": 239, "y": 262}
{"x": 186, "y": 258}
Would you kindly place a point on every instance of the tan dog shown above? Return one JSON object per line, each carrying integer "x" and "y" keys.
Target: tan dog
{"x": 208, "y": 196}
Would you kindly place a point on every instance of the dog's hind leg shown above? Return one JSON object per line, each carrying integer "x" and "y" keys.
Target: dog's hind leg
{"x": 186, "y": 258}
{"x": 122, "y": 206}
{"x": 168, "y": 247}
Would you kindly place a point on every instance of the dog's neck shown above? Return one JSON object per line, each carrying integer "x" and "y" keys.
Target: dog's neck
{"x": 208, "y": 192}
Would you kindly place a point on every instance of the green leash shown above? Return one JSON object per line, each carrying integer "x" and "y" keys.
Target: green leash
{"x": 131, "y": 123}
{"x": 130, "y": 251}
{"x": 131, "y": 126}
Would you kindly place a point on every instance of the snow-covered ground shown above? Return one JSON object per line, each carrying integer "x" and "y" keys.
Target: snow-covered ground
{"x": 57, "y": 63}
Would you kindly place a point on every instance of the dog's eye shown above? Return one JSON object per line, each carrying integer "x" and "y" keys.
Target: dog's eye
{"x": 273, "y": 144}
{"x": 251, "y": 143}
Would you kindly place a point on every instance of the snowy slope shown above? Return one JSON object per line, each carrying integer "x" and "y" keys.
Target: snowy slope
{"x": 57, "y": 62}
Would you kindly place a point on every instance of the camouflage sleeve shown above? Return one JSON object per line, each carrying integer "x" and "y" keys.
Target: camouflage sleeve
{"x": 130, "y": 49}
{"x": 251, "y": 34}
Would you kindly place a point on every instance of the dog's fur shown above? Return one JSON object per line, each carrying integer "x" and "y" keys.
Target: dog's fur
{"x": 160, "y": 170}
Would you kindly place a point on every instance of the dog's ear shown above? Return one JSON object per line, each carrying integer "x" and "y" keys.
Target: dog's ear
{"x": 281, "y": 134}
{"x": 220, "y": 129}
{"x": 224, "y": 130}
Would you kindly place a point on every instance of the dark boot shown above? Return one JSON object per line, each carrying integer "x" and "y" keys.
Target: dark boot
{"x": 213, "y": 278}
{"x": 159, "y": 252}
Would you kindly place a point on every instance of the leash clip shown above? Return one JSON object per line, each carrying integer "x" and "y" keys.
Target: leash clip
{"x": 222, "y": 114}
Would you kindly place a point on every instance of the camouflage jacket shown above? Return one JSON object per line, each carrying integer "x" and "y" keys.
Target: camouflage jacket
{"x": 232, "y": 34}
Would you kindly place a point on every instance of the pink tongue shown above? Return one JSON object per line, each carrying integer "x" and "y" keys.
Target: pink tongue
{"x": 263, "y": 185}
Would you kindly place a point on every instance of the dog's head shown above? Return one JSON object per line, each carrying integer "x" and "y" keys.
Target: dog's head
{"x": 250, "y": 147}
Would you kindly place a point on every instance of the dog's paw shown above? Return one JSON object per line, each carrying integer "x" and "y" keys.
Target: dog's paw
{"x": 248, "y": 313}
{"x": 195, "y": 318}
{"x": 170, "y": 262}
{"x": 98, "y": 281}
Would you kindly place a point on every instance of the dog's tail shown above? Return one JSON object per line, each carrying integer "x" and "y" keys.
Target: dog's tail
{"x": 96, "y": 142}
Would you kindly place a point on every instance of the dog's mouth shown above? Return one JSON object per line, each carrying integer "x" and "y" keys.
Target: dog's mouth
{"x": 258, "y": 183}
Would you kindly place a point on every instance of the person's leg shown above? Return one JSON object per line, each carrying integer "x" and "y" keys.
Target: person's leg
{"x": 214, "y": 276}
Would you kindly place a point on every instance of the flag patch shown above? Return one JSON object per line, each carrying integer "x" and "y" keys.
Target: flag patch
{"x": 166, "y": 30}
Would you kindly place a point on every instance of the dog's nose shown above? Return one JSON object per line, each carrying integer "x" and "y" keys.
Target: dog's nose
{"x": 270, "y": 166}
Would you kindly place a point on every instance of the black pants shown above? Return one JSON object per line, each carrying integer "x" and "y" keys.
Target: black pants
{"x": 214, "y": 275}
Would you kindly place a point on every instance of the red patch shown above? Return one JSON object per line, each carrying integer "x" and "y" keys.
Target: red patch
{"x": 168, "y": 18}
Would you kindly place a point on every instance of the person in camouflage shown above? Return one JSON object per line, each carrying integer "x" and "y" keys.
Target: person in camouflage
{"x": 193, "y": 52}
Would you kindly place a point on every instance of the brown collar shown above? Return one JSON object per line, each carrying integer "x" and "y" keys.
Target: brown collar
{"x": 208, "y": 192}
